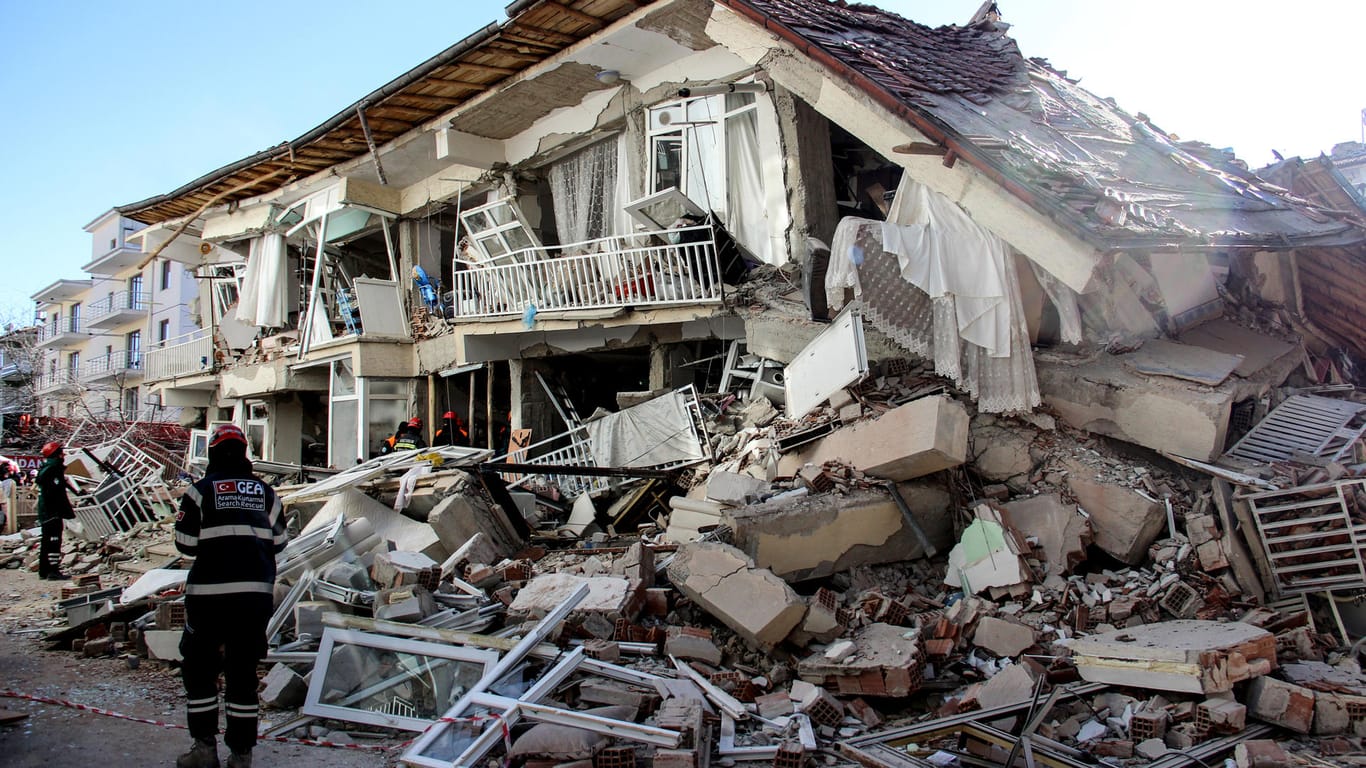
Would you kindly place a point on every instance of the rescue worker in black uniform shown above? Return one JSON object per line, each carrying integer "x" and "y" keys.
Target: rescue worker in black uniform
{"x": 410, "y": 436}
{"x": 452, "y": 431}
{"x": 231, "y": 524}
{"x": 54, "y": 507}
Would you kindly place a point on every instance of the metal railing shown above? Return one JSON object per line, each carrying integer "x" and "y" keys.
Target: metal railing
{"x": 119, "y": 301}
{"x": 642, "y": 269}
{"x": 49, "y": 331}
{"x": 181, "y": 356}
{"x": 113, "y": 363}
{"x": 51, "y": 380}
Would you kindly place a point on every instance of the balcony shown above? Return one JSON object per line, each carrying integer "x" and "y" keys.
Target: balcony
{"x": 64, "y": 333}
{"x": 15, "y": 371}
{"x": 115, "y": 260}
{"x": 127, "y": 363}
{"x": 116, "y": 309}
{"x": 54, "y": 381}
{"x": 187, "y": 355}
{"x": 608, "y": 273}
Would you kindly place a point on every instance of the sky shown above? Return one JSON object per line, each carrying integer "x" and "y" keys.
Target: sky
{"x": 110, "y": 103}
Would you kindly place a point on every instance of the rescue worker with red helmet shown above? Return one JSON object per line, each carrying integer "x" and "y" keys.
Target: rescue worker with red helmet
{"x": 54, "y": 507}
{"x": 410, "y": 436}
{"x": 230, "y": 522}
{"x": 452, "y": 432}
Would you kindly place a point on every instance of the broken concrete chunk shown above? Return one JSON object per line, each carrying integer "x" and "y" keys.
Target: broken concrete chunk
{"x": 1184, "y": 655}
{"x": 1280, "y": 703}
{"x": 1000, "y": 454}
{"x": 1062, "y": 533}
{"x": 1009, "y": 686}
{"x": 912, "y": 440}
{"x": 408, "y": 535}
{"x": 886, "y": 660}
{"x": 397, "y": 569}
{"x": 1261, "y": 753}
{"x": 457, "y": 518}
{"x": 1124, "y": 523}
{"x": 283, "y": 688}
{"x": 724, "y": 582}
{"x": 691, "y": 645}
{"x": 731, "y": 488}
{"x": 821, "y": 535}
{"x": 610, "y": 597}
{"x": 1003, "y": 638}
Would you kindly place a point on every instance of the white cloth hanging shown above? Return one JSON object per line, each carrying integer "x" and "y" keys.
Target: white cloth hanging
{"x": 263, "y": 301}
{"x": 583, "y": 192}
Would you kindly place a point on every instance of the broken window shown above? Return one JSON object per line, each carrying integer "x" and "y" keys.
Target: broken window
{"x": 498, "y": 229}
{"x": 391, "y": 682}
{"x": 709, "y": 149}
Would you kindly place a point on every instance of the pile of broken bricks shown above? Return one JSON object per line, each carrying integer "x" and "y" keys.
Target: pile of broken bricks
{"x": 887, "y": 580}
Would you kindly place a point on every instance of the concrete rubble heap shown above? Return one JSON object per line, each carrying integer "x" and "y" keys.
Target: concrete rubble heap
{"x": 834, "y": 597}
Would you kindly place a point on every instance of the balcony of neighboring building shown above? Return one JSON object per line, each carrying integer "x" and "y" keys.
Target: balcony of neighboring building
{"x": 125, "y": 362}
{"x": 61, "y": 333}
{"x": 55, "y": 381}
{"x": 14, "y": 370}
{"x": 115, "y": 309}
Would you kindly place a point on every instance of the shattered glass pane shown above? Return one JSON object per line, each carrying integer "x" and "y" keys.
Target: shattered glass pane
{"x": 398, "y": 683}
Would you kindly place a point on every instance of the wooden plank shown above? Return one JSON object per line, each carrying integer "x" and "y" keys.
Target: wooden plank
{"x": 9, "y": 716}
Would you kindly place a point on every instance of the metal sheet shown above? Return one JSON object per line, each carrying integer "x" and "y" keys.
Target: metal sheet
{"x": 832, "y": 361}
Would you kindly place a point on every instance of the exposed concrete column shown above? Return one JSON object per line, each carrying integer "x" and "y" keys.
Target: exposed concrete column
{"x": 516, "y": 386}
{"x": 809, "y": 174}
{"x": 659, "y": 366}
{"x": 407, "y": 256}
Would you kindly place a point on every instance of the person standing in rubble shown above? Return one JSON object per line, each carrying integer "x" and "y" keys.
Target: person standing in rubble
{"x": 54, "y": 509}
{"x": 231, "y": 524}
{"x": 7, "y": 488}
{"x": 452, "y": 431}
{"x": 410, "y": 437}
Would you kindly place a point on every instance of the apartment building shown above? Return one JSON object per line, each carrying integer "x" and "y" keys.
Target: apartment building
{"x": 561, "y": 207}
{"x": 94, "y": 332}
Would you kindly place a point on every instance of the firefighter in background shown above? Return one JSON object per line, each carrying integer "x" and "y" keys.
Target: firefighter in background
{"x": 452, "y": 432}
{"x": 231, "y": 524}
{"x": 54, "y": 508}
{"x": 410, "y": 436}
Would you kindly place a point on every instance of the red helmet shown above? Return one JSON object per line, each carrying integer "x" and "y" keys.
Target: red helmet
{"x": 227, "y": 432}
{"x": 51, "y": 448}
{"x": 448, "y": 415}
{"x": 415, "y": 422}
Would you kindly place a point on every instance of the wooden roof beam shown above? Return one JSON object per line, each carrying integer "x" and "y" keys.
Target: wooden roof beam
{"x": 586, "y": 18}
{"x": 504, "y": 71}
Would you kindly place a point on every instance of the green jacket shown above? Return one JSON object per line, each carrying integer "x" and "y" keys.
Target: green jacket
{"x": 53, "y": 503}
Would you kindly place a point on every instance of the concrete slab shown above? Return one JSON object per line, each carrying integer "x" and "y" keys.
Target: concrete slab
{"x": 817, "y": 536}
{"x": 1104, "y": 397}
{"x": 1061, "y": 532}
{"x": 1186, "y": 655}
{"x": 910, "y": 441}
{"x": 725, "y": 582}
{"x": 1003, "y": 638}
{"x": 389, "y": 525}
{"x": 1159, "y": 357}
{"x": 610, "y": 596}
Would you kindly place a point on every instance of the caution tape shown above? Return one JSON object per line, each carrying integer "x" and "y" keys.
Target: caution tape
{"x": 492, "y": 716}
{"x": 120, "y": 716}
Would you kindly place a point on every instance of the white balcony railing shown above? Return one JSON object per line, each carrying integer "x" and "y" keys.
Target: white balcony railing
{"x": 124, "y": 361}
{"x": 49, "y": 331}
{"x": 182, "y": 356}
{"x": 115, "y": 303}
{"x": 51, "y": 380}
{"x": 628, "y": 271}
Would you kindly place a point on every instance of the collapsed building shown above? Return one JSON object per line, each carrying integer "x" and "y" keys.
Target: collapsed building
{"x": 868, "y": 360}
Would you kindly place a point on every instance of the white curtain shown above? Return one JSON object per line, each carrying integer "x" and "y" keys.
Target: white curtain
{"x": 583, "y": 191}
{"x": 944, "y": 288}
{"x": 265, "y": 284}
{"x": 746, "y": 213}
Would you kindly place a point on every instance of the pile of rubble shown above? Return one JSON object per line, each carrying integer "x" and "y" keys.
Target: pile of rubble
{"x": 883, "y": 577}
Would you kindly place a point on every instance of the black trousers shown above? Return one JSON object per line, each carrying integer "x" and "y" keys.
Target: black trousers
{"x": 224, "y": 635}
{"x": 50, "y": 548}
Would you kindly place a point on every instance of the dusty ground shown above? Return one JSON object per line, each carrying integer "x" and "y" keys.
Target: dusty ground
{"x": 55, "y": 737}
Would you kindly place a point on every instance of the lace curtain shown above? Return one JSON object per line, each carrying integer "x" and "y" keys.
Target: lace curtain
{"x": 583, "y": 191}
{"x": 1001, "y": 379}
